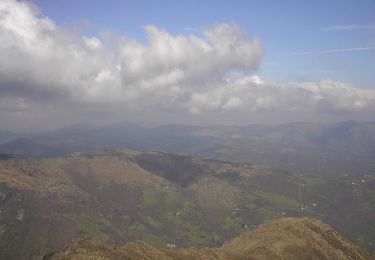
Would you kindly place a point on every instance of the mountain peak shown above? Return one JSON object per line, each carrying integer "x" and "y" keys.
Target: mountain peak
{"x": 295, "y": 238}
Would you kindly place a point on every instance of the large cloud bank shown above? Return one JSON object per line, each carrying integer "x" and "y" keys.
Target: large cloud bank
{"x": 44, "y": 65}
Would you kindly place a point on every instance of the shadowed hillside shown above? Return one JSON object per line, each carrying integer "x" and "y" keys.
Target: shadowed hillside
{"x": 286, "y": 238}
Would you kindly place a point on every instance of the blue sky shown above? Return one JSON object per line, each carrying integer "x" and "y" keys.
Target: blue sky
{"x": 287, "y": 30}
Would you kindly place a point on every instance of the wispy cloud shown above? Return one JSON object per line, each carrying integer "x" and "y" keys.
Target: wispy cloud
{"x": 369, "y": 48}
{"x": 192, "y": 29}
{"x": 350, "y": 27}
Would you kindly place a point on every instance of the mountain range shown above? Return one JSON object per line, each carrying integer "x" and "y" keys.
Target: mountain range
{"x": 120, "y": 196}
{"x": 301, "y": 148}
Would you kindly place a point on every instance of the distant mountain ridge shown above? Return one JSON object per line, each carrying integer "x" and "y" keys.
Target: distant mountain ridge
{"x": 8, "y": 136}
{"x": 328, "y": 148}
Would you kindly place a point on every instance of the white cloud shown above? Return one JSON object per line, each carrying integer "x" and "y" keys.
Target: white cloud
{"x": 92, "y": 42}
{"x": 357, "y": 49}
{"x": 38, "y": 56}
{"x": 43, "y": 64}
{"x": 350, "y": 27}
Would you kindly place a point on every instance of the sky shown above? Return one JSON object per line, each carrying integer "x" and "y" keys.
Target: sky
{"x": 198, "y": 62}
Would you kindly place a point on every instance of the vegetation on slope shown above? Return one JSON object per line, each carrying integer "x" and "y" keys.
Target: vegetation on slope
{"x": 126, "y": 196}
{"x": 286, "y": 238}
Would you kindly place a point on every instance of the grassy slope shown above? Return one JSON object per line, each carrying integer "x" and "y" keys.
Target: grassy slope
{"x": 287, "y": 238}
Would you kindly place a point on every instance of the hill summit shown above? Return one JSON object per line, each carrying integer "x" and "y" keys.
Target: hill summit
{"x": 285, "y": 238}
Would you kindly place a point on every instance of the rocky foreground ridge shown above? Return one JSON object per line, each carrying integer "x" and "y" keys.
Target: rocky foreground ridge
{"x": 285, "y": 238}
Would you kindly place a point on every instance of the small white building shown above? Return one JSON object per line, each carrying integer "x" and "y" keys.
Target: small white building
{"x": 171, "y": 245}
